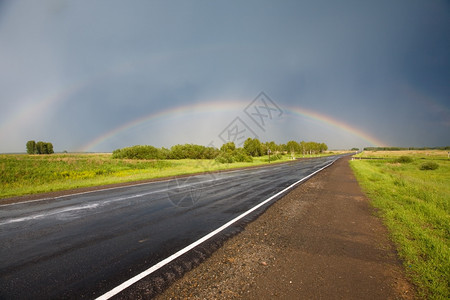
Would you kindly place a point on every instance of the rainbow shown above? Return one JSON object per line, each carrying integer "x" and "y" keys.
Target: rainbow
{"x": 35, "y": 109}
{"x": 39, "y": 105}
{"x": 222, "y": 106}
{"x": 337, "y": 124}
{"x": 218, "y": 106}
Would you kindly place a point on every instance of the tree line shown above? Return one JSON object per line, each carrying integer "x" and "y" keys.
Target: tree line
{"x": 228, "y": 152}
{"x": 404, "y": 148}
{"x": 39, "y": 147}
{"x": 176, "y": 152}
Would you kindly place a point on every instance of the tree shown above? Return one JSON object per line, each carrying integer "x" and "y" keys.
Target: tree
{"x": 44, "y": 148}
{"x": 177, "y": 152}
{"x": 312, "y": 147}
{"x": 50, "y": 148}
{"x": 293, "y": 146}
{"x": 31, "y": 147}
{"x": 303, "y": 147}
{"x": 253, "y": 147}
{"x": 40, "y": 147}
{"x": 323, "y": 147}
{"x": 210, "y": 153}
{"x": 272, "y": 146}
{"x": 228, "y": 147}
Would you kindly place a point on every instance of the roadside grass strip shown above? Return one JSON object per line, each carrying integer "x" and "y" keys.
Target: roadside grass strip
{"x": 31, "y": 174}
{"x": 414, "y": 203}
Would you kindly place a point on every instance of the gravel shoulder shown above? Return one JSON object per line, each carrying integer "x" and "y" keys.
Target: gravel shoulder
{"x": 323, "y": 240}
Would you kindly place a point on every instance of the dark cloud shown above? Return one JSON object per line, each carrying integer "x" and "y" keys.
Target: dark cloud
{"x": 382, "y": 67}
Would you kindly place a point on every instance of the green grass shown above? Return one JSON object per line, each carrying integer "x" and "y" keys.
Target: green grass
{"x": 415, "y": 205}
{"x": 30, "y": 174}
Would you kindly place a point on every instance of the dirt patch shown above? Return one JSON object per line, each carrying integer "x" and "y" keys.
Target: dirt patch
{"x": 321, "y": 241}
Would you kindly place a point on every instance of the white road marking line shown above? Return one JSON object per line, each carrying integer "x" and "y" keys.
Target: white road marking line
{"x": 169, "y": 259}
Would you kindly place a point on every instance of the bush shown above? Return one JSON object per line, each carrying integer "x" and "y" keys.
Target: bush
{"x": 192, "y": 151}
{"x": 404, "y": 159}
{"x": 275, "y": 157}
{"x": 138, "y": 152}
{"x": 241, "y": 156}
{"x": 225, "y": 158}
{"x": 237, "y": 155}
{"x": 430, "y": 165}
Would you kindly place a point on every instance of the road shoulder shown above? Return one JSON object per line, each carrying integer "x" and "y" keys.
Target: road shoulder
{"x": 322, "y": 240}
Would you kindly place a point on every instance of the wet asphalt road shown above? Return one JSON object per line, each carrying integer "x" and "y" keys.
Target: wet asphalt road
{"x": 81, "y": 246}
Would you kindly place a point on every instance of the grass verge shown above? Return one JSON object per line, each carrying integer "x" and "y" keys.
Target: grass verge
{"x": 414, "y": 203}
{"x": 30, "y": 174}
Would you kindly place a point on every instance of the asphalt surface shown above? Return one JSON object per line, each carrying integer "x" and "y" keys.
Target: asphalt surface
{"x": 81, "y": 246}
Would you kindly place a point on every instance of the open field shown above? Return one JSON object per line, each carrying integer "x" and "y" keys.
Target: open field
{"x": 423, "y": 154}
{"x": 414, "y": 202}
{"x": 29, "y": 174}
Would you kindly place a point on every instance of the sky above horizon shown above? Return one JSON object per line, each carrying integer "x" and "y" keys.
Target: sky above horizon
{"x": 101, "y": 75}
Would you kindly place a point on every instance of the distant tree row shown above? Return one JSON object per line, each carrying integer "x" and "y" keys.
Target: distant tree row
{"x": 255, "y": 148}
{"x": 39, "y": 147}
{"x": 403, "y": 148}
{"x": 176, "y": 152}
{"x": 227, "y": 153}
{"x": 305, "y": 147}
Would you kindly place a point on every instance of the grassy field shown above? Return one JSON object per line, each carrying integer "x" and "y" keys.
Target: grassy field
{"x": 414, "y": 202}
{"x": 30, "y": 174}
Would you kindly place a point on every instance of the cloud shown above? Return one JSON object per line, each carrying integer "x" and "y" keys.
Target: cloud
{"x": 110, "y": 66}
